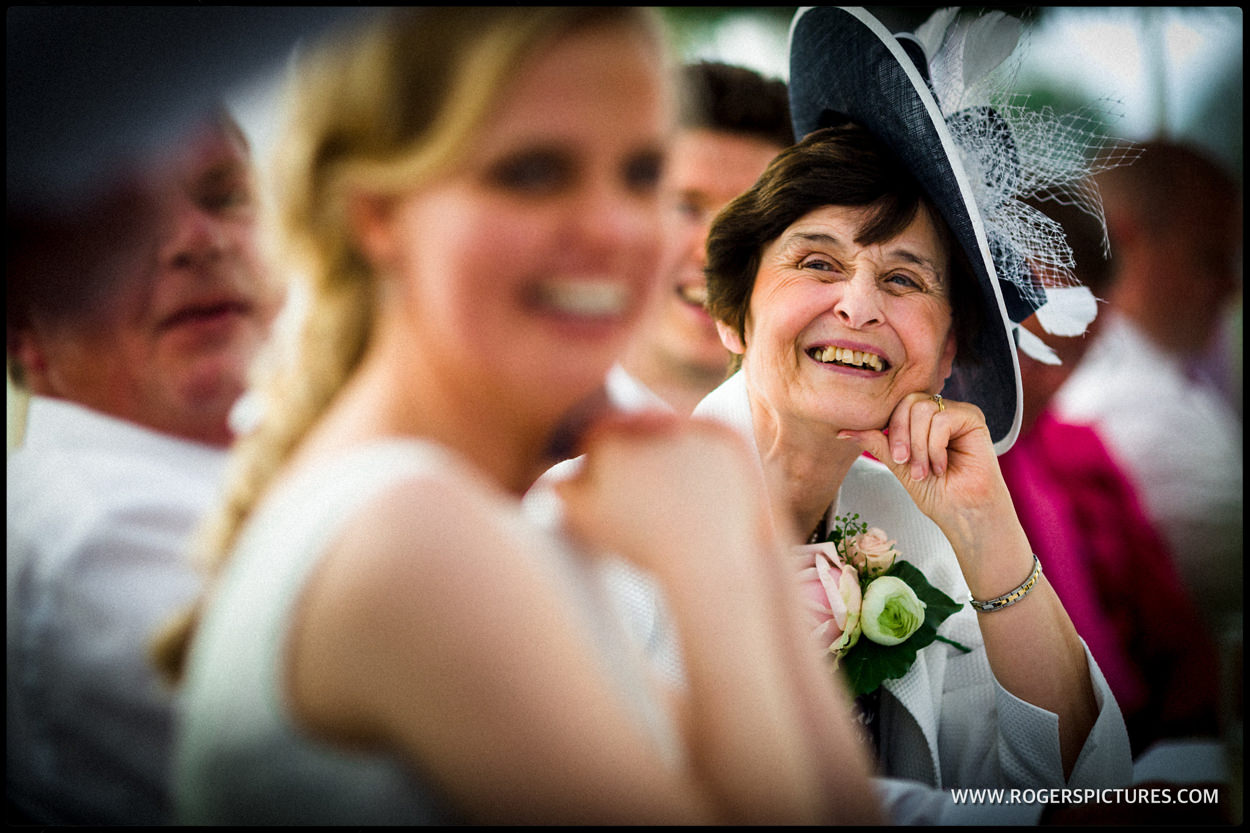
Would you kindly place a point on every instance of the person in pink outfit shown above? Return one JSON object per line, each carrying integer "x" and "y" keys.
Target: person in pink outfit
{"x": 1112, "y": 569}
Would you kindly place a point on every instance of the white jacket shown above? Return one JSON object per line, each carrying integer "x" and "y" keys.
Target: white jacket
{"x": 948, "y": 723}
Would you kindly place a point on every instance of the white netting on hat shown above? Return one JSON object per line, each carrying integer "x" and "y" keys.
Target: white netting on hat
{"x": 1013, "y": 153}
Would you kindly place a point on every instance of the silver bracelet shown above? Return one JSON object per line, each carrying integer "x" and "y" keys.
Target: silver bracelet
{"x": 1014, "y": 596}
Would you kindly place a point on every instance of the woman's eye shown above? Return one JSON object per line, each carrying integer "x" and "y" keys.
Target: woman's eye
{"x": 689, "y": 209}
{"x": 819, "y": 264}
{"x": 642, "y": 173}
{"x": 903, "y": 281}
{"x": 532, "y": 172}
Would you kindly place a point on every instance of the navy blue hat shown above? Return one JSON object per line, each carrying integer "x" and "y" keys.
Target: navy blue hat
{"x": 844, "y": 64}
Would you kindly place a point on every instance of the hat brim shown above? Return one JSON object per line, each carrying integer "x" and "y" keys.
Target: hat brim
{"x": 844, "y": 64}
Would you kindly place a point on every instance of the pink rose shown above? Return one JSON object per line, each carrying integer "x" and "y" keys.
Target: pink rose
{"x": 831, "y": 596}
{"x": 871, "y": 553}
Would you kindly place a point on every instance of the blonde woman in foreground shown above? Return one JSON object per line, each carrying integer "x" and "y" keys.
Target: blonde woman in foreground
{"x": 472, "y": 196}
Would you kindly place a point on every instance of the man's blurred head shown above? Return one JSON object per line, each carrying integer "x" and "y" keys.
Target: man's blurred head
{"x": 733, "y": 122}
{"x": 1175, "y": 221}
{"x": 147, "y": 302}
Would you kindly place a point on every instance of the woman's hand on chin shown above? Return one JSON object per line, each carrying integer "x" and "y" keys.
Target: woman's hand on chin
{"x": 941, "y": 451}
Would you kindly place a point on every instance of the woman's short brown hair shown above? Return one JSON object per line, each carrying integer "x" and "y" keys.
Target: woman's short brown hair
{"x": 843, "y": 166}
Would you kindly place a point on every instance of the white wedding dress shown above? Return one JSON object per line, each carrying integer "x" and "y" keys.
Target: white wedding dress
{"x": 242, "y": 757}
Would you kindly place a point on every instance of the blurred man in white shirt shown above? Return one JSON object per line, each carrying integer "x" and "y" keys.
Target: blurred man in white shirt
{"x": 132, "y": 320}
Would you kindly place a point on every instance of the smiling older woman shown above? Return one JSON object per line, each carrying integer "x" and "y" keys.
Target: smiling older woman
{"x": 856, "y": 283}
{"x": 846, "y": 327}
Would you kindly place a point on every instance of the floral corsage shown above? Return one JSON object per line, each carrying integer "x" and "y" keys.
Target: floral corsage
{"x": 870, "y": 610}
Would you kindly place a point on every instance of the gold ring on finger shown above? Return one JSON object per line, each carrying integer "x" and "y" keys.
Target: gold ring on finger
{"x": 937, "y": 397}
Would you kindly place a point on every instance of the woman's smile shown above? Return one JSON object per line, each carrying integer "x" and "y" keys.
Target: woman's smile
{"x": 592, "y": 299}
{"x": 849, "y": 357}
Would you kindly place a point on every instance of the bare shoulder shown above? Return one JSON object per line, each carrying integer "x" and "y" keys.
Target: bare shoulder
{"x": 405, "y": 579}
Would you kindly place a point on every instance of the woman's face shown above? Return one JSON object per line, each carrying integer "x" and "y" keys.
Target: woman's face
{"x": 525, "y": 271}
{"x": 838, "y": 333}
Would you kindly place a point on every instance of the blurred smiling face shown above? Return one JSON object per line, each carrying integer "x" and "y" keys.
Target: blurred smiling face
{"x": 527, "y": 269}
{"x": 170, "y": 345}
{"x": 838, "y": 332}
{"x": 706, "y": 170}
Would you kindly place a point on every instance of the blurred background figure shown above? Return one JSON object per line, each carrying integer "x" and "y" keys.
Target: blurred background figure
{"x": 146, "y": 303}
{"x": 734, "y": 120}
{"x": 1106, "y": 559}
{"x": 132, "y": 318}
{"x": 87, "y": 95}
{"x": 1174, "y": 219}
{"x": 133, "y": 305}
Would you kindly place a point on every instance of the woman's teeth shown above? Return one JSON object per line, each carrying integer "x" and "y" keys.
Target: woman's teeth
{"x": 847, "y": 356}
{"x": 586, "y": 298}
